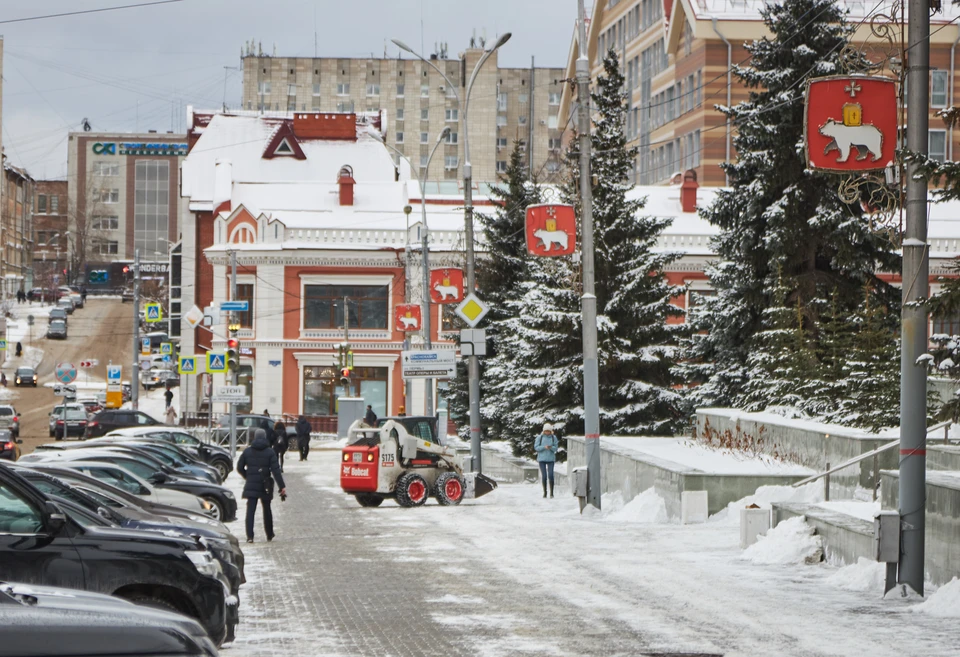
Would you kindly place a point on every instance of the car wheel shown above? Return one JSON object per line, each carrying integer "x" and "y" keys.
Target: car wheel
{"x": 449, "y": 489}
{"x": 218, "y": 512}
{"x": 223, "y": 467}
{"x": 411, "y": 490}
{"x": 369, "y": 500}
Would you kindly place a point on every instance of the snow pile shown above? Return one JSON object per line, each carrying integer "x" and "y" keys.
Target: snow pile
{"x": 944, "y": 603}
{"x": 767, "y": 495}
{"x": 790, "y": 542}
{"x": 647, "y": 507}
{"x": 865, "y": 575}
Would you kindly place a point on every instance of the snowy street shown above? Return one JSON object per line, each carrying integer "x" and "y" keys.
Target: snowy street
{"x": 514, "y": 574}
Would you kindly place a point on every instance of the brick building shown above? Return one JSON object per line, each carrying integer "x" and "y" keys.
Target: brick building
{"x": 50, "y": 226}
{"x": 16, "y": 233}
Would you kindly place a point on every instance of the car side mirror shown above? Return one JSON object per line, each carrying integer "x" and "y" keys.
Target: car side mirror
{"x": 55, "y": 518}
{"x": 158, "y": 478}
{"x": 103, "y": 513}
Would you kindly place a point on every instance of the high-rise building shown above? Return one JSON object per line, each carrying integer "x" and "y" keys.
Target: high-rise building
{"x": 677, "y": 58}
{"x": 123, "y": 195}
{"x": 506, "y": 104}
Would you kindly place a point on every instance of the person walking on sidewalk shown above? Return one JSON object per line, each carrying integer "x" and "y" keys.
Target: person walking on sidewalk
{"x": 370, "y": 418}
{"x": 171, "y": 416}
{"x": 280, "y": 444}
{"x": 168, "y": 396}
{"x": 546, "y": 447}
{"x": 303, "y": 437}
{"x": 259, "y": 467}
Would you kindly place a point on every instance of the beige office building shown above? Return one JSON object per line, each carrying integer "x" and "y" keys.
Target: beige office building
{"x": 506, "y": 104}
{"x": 123, "y": 195}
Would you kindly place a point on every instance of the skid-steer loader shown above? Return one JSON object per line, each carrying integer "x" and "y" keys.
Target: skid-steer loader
{"x": 389, "y": 461}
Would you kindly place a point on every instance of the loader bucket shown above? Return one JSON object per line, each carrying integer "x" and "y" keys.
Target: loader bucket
{"x": 477, "y": 485}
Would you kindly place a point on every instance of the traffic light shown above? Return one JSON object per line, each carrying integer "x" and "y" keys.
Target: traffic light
{"x": 126, "y": 269}
{"x": 233, "y": 356}
{"x": 344, "y": 376}
{"x": 234, "y": 327}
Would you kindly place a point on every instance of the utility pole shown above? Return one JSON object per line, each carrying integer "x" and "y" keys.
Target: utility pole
{"x": 135, "y": 372}
{"x": 233, "y": 370}
{"x": 588, "y": 304}
{"x": 916, "y": 265}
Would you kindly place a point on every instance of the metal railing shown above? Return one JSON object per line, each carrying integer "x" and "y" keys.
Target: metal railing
{"x": 875, "y": 455}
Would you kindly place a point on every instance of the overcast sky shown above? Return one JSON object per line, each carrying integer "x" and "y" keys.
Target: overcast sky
{"x": 137, "y": 69}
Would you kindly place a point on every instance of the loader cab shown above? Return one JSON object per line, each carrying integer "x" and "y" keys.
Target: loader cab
{"x": 423, "y": 427}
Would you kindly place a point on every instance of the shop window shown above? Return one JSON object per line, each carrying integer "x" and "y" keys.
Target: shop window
{"x": 321, "y": 389}
{"x": 323, "y": 306}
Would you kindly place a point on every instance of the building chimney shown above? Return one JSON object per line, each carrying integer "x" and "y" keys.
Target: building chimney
{"x": 688, "y": 191}
{"x": 222, "y": 186}
{"x": 346, "y": 183}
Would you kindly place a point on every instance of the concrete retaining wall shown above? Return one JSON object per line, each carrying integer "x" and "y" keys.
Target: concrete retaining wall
{"x": 631, "y": 474}
{"x": 943, "y": 457}
{"x": 812, "y": 444}
{"x": 942, "y": 547}
{"x": 845, "y": 538}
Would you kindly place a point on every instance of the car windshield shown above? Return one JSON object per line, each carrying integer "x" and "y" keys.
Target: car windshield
{"x": 58, "y": 326}
{"x": 24, "y": 371}
{"x": 75, "y": 414}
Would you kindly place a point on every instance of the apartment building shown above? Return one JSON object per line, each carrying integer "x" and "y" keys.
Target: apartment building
{"x": 16, "y": 234}
{"x": 506, "y": 104}
{"x": 50, "y": 225}
{"x": 123, "y": 194}
{"x": 676, "y": 57}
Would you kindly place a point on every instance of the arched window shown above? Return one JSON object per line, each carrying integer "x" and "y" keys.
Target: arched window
{"x": 243, "y": 234}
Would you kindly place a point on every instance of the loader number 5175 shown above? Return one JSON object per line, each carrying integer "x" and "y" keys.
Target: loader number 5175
{"x": 387, "y": 460}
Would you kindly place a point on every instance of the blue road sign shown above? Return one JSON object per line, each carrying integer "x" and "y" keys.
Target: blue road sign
{"x": 113, "y": 373}
{"x": 188, "y": 365}
{"x": 153, "y": 312}
{"x": 234, "y": 306}
{"x": 216, "y": 362}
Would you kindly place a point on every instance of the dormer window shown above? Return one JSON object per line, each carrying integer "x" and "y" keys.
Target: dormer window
{"x": 284, "y": 148}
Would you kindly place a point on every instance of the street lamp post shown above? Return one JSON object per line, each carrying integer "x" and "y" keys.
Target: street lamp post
{"x": 473, "y": 362}
{"x": 427, "y": 328}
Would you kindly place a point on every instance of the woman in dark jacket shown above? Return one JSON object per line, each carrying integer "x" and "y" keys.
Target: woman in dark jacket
{"x": 303, "y": 437}
{"x": 259, "y": 467}
{"x": 280, "y": 444}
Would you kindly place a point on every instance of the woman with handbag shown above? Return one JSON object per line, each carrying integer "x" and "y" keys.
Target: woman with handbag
{"x": 259, "y": 467}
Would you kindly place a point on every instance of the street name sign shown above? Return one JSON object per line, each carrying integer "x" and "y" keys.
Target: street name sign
{"x": 234, "y": 306}
{"x": 424, "y": 364}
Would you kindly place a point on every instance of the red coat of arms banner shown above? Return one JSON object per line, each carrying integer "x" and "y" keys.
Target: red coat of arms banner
{"x": 551, "y": 229}
{"x": 446, "y": 285}
{"x": 408, "y": 317}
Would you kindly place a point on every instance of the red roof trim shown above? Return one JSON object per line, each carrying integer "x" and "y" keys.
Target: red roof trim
{"x": 284, "y": 131}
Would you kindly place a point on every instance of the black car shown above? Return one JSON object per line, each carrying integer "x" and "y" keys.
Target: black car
{"x": 109, "y": 420}
{"x": 9, "y": 446}
{"x": 72, "y": 422}
{"x": 213, "y": 455}
{"x": 57, "y": 330}
{"x": 87, "y": 624}
{"x": 25, "y": 376}
{"x": 146, "y": 467}
{"x": 58, "y": 314}
{"x": 39, "y": 544}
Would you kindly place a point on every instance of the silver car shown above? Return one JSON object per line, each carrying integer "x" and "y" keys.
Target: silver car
{"x": 57, "y": 413}
{"x": 10, "y": 420}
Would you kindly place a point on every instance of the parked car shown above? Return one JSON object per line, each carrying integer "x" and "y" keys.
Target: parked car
{"x": 9, "y": 446}
{"x": 214, "y": 455}
{"x": 40, "y": 544}
{"x": 10, "y": 420}
{"x": 91, "y": 404}
{"x": 57, "y": 412}
{"x": 167, "y": 453}
{"x": 67, "y": 304}
{"x": 86, "y": 623}
{"x": 25, "y": 376}
{"x": 222, "y": 501}
{"x": 58, "y": 313}
{"x": 57, "y": 330}
{"x": 73, "y": 293}
{"x": 43, "y": 295}
{"x": 72, "y": 422}
{"x": 108, "y": 420}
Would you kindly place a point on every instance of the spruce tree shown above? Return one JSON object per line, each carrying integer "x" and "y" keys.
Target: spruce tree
{"x": 873, "y": 369}
{"x": 776, "y": 212}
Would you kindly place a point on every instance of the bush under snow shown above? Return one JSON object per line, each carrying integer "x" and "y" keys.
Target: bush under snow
{"x": 791, "y": 542}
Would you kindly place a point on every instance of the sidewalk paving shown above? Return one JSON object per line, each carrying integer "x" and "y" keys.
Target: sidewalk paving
{"x": 513, "y": 574}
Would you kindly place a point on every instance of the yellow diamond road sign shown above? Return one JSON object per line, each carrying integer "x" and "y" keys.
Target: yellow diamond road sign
{"x": 472, "y": 309}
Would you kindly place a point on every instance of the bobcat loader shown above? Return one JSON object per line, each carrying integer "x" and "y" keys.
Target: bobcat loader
{"x": 389, "y": 461}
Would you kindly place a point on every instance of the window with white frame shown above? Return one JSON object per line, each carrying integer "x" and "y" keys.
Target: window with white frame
{"x": 345, "y": 106}
{"x": 554, "y": 98}
{"x": 938, "y": 88}
{"x": 424, "y": 90}
{"x": 343, "y": 88}
{"x": 291, "y": 90}
{"x": 109, "y": 196}
{"x": 424, "y": 138}
{"x": 552, "y": 121}
{"x": 452, "y": 138}
{"x": 41, "y": 204}
{"x": 424, "y": 159}
{"x": 452, "y": 115}
{"x": 399, "y": 137}
{"x": 54, "y": 204}
{"x": 501, "y": 120}
{"x": 400, "y": 90}
{"x": 263, "y": 88}
{"x": 399, "y": 114}
{"x": 105, "y": 247}
{"x": 502, "y": 102}
{"x": 501, "y": 142}
{"x": 501, "y": 166}
{"x": 101, "y": 222}
{"x": 425, "y": 114}
{"x": 373, "y": 89}
{"x": 316, "y": 89}
{"x": 523, "y": 99}
{"x": 937, "y": 145}
{"x": 106, "y": 168}
{"x": 450, "y": 162}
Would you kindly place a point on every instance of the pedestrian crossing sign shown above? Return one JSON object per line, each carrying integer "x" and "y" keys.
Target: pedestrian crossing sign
{"x": 153, "y": 312}
{"x": 216, "y": 362}
{"x": 3, "y": 345}
{"x": 166, "y": 348}
{"x": 187, "y": 365}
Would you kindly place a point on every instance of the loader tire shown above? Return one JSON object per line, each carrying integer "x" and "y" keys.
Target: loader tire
{"x": 369, "y": 500}
{"x": 411, "y": 490}
{"x": 449, "y": 489}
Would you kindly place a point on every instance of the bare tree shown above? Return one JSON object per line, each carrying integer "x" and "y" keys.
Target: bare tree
{"x": 86, "y": 231}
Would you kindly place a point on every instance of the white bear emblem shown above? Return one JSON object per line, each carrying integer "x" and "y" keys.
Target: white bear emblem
{"x": 866, "y": 138}
{"x": 447, "y": 291}
{"x": 409, "y": 322}
{"x": 550, "y": 237}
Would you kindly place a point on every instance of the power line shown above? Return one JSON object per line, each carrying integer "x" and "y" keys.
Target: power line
{"x": 87, "y": 11}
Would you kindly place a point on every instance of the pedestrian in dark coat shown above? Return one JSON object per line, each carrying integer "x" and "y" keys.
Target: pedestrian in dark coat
{"x": 168, "y": 396}
{"x": 303, "y": 437}
{"x": 280, "y": 444}
{"x": 259, "y": 467}
{"x": 271, "y": 434}
{"x": 370, "y": 418}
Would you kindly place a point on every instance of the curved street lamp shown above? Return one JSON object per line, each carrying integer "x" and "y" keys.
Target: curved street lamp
{"x": 472, "y": 361}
